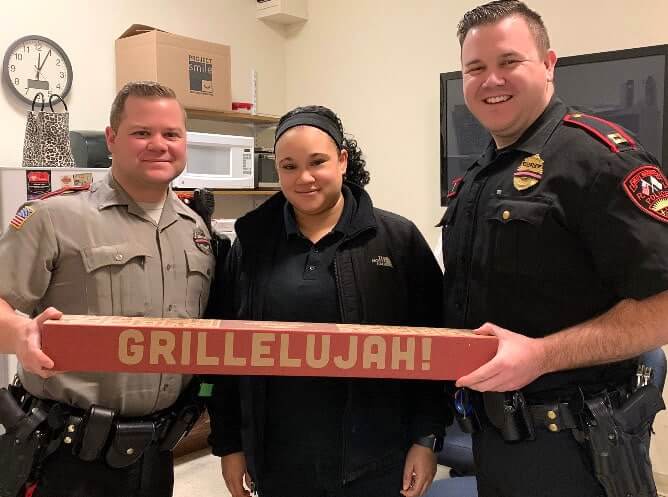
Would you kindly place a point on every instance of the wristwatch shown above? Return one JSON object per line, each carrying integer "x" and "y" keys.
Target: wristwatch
{"x": 431, "y": 442}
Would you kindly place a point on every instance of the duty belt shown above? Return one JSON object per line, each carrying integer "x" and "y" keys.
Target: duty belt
{"x": 517, "y": 418}
{"x": 99, "y": 434}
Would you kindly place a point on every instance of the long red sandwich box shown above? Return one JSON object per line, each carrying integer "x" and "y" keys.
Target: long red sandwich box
{"x": 209, "y": 346}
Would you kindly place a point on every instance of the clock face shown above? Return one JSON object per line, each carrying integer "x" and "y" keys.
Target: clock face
{"x": 36, "y": 64}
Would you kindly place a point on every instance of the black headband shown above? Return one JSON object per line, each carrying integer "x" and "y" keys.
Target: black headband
{"x": 311, "y": 119}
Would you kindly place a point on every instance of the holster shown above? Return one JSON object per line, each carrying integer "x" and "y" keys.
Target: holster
{"x": 509, "y": 413}
{"x": 468, "y": 424}
{"x": 20, "y": 444}
{"x": 185, "y": 413}
{"x": 618, "y": 439}
{"x": 185, "y": 420}
{"x": 16, "y": 461}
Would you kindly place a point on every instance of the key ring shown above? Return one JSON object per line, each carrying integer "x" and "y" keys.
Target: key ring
{"x": 463, "y": 402}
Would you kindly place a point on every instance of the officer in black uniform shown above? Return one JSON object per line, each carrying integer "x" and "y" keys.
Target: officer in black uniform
{"x": 562, "y": 224}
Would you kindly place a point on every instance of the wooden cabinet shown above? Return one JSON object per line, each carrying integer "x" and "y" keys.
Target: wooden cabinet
{"x": 196, "y": 439}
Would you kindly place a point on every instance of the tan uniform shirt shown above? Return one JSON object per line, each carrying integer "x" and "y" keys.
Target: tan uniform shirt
{"x": 96, "y": 252}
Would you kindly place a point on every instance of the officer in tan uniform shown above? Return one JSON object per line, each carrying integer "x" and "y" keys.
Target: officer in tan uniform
{"x": 125, "y": 246}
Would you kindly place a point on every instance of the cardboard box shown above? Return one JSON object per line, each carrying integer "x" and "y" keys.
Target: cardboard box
{"x": 105, "y": 343}
{"x": 198, "y": 71}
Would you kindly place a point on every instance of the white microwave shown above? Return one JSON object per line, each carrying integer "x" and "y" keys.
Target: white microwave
{"x": 217, "y": 162}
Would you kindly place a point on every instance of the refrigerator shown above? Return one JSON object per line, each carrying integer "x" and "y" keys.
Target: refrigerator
{"x": 18, "y": 185}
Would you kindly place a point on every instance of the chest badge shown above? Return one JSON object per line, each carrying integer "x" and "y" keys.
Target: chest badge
{"x": 528, "y": 173}
{"x": 647, "y": 187}
{"x": 201, "y": 241}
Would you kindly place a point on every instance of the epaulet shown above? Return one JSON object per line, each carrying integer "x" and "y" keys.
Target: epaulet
{"x": 64, "y": 191}
{"x": 616, "y": 139}
{"x": 186, "y": 197}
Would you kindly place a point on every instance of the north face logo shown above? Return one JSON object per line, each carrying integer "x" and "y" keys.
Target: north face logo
{"x": 382, "y": 260}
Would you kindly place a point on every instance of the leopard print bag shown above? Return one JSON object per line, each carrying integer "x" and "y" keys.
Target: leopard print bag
{"x": 47, "y": 138}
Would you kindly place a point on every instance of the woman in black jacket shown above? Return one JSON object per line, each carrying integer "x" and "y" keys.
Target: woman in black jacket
{"x": 318, "y": 251}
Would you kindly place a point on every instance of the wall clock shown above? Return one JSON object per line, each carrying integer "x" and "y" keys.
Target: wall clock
{"x": 36, "y": 64}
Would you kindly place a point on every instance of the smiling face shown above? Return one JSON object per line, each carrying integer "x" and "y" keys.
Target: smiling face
{"x": 310, "y": 169}
{"x": 149, "y": 147}
{"x": 507, "y": 80}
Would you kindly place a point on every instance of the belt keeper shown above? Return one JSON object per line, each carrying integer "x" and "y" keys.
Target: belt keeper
{"x": 554, "y": 417}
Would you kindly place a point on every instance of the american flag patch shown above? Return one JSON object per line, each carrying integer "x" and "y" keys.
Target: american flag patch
{"x": 21, "y": 217}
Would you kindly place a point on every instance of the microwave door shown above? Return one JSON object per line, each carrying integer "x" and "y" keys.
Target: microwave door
{"x": 217, "y": 166}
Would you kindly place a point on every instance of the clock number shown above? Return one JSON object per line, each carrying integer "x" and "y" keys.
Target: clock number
{"x": 26, "y": 48}
{"x": 18, "y": 56}
{"x": 38, "y": 47}
{"x": 16, "y": 81}
{"x": 12, "y": 68}
{"x": 57, "y": 62}
{"x": 62, "y": 75}
{"x": 58, "y": 86}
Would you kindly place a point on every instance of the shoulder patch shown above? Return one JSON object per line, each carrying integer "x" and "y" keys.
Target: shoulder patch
{"x": 647, "y": 187}
{"x": 202, "y": 242}
{"x": 609, "y": 133}
{"x": 455, "y": 187}
{"x": 65, "y": 190}
{"x": 21, "y": 217}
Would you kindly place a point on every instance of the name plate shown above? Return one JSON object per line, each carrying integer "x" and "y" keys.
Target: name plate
{"x": 209, "y": 346}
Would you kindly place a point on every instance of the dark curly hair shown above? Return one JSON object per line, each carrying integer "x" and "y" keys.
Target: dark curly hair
{"x": 356, "y": 171}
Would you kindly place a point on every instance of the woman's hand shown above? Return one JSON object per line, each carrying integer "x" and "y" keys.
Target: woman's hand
{"x": 419, "y": 471}
{"x": 234, "y": 473}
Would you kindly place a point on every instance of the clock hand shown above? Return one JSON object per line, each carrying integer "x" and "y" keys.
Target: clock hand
{"x": 39, "y": 67}
{"x": 46, "y": 57}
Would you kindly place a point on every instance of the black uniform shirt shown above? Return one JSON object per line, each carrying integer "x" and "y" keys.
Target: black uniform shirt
{"x": 304, "y": 420}
{"x": 542, "y": 235}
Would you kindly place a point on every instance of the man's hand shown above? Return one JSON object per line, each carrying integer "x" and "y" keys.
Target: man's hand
{"x": 234, "y": 474}
{"x": 28, "y": 344}
{"x": 419, "y": 471}
{"x": 519, "y": 360}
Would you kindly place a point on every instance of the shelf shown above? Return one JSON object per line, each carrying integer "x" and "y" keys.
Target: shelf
{"x": 232, "y": 116}
{"x": 187, "y": 192}
{"x": 282, "y": 11}
{"x": 245, "y": 192}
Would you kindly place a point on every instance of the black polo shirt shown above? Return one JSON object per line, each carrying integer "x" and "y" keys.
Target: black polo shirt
{"x": 541, "y": 235}
{"x": 305, "y": 414}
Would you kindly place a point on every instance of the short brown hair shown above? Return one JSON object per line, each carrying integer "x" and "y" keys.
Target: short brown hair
{"x": 141, "y": 89}
{"x": 493, "y": 12}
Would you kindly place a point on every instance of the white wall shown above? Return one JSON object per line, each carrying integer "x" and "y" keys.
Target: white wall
{"x": 377, "y": 64}
{"x": 86, "y": 30}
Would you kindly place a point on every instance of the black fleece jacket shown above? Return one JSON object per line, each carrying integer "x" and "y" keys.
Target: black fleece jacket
{"x": 382, "y": 417}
